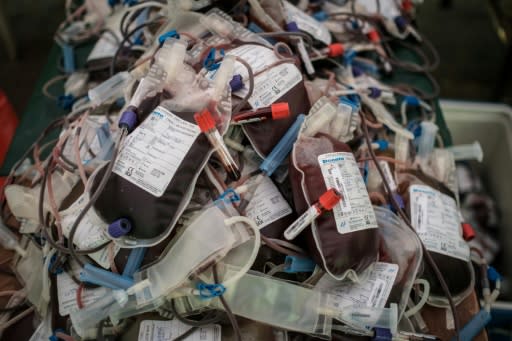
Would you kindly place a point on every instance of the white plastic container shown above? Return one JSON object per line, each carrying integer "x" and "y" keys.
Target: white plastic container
{"x": 491, "y": 126}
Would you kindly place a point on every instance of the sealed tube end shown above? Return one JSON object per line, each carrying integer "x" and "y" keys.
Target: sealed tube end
{"x": 111, "y": 88}
{"x": 471, "y": 151}
{"x": 171, "y": 57}
{"x": 427, "y": 138}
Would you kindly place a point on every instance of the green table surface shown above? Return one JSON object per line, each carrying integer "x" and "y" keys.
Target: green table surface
{"x": 41, "y": 110}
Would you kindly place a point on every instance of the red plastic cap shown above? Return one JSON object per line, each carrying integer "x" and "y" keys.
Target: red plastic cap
{"x": 204, "y": 120}
{"x": 407, "y": 5}
{"x": 374, "y": 36}
{"x": 8, "y": 127}
{"x": 280, "y": 110}
{"x": 329, "y": 199}
{"x": 335, "y": 50}
{"x": 467, "y": 232}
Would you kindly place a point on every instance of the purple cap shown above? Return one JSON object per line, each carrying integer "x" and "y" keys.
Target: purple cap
{"x": 374, "y": 92}
{"x": 400, "y": 22}
{"x": 291, "y": 27}
{"x": 119, "y": 228}
{"x": 128, "y": 119}
{"x": 356, "y": 71}
{"x": 236, "y": 83}
{"x": 399, "y": 200}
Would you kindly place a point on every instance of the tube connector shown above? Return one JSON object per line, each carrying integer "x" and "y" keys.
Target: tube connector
{"x": 119, "y": 228}
{"x": 128, "y": 119}
{"x": 94, "y": 275}
{"x": 171, "y": 56}
{"x": 283, "y": 148}
{"x": 223, "y": 76}
{"x": 111, "y": 88}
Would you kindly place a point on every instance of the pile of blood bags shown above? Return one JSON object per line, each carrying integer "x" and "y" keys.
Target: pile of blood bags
{"x": 239, "y": 171}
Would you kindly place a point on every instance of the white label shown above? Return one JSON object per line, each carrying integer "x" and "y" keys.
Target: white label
{"x": 269, "y": 85}
{"x": 267, "y": 205}
{"x": 301, "y": 223}
{"x": 436, "y": 219}
{"x": 390, "y": 179}
{"x": 66, "y": 293}
{"x": 307, "y": 23}
{"x": 373, "y": 293}
{"x": 354, "y": 212}
{"x": 90, "y": 232}
{"x": 152, "y": 154}
{"x": 151, "y": 330}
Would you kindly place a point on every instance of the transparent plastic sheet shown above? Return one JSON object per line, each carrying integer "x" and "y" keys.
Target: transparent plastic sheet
{"x": 399, "y": 245}
{"x": 459, "y": 274}
{"x": 274, "y": 302}
{"x": 339, "y": 254}
{"x": 23, "y": 201}
{"x": 35, "y": 283}
{"x": 154, "y": 205}
{"x": 325, "y": 117}
{"x": 203, "y": 241}
{"x": 266, "y": 12}
{"x": 219, "y": 30}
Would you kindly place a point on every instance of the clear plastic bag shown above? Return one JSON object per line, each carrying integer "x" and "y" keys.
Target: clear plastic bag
{"x": 399, "y": 245}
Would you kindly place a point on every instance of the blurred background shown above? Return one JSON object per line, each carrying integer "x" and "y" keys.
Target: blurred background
{"x": 473, "y": 37}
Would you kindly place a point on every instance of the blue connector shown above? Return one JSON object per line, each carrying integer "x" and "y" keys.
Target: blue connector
{"x": 134, "y": 261}
{"x": 382, "y": 334}
{"x": 282, "y": 148}
{"x": 320, "y": 16}
{"x": 293, "y": 264}
{"x": 365, "y": 172}
{"x": 475, "y": 326}
{"x": 170, "y": 34}
{"x": 66, "y": 101}
{"x": 56, "y": 270}
{"x": 383, "y": 144}
{"x": 209, "y": 62}
{"x": 350, "y": 101}
{"x": 141, "y": 18}
{"x": 207, "y": 291}
{"x": 493, "y": 274}
{"x": 367, "y": 67}
{"x": 68, "y": 54}
{"x": 348, "y": 56}
{"x": 94, "y": 275}
{"x": 229, "y": 196}
{"x": 412, "y": 101}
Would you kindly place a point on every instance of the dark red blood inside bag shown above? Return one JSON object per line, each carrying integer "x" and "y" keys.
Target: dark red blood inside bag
{"x": 456, "y": 272}
{"x": 266, "y": 134}
{"x": 354, "y": 250}
{"x": 151, "y": 215}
